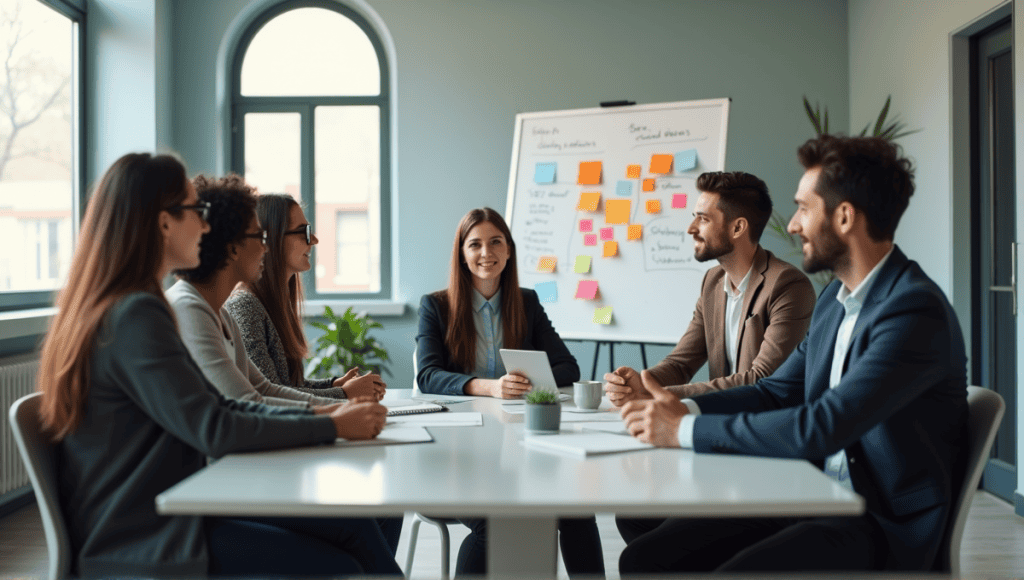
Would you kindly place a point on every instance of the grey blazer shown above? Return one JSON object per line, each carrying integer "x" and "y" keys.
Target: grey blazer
{"x": 150, "y": 420}
{"x": 264, "y": 347}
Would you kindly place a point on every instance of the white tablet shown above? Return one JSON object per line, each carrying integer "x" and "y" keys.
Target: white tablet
{"x": 532, "y": 364}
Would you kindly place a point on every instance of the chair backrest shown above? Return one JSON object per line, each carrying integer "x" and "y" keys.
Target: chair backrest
{"x": 985, "y": 408}
{"x": 40, "y": 461}
{"x": 415, "y": 371}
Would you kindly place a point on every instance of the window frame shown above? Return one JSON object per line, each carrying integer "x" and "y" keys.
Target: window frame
{"x": 305, "y": 106}
{"x": 74, "y": 10}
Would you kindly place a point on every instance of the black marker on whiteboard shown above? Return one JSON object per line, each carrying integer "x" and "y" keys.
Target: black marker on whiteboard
{"x": 617, "y": 103}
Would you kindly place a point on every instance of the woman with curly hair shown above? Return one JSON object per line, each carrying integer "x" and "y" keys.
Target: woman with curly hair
{"x": 232, "y": 253}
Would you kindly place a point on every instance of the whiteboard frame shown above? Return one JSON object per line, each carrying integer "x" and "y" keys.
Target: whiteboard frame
{"x": 521, "y": 118}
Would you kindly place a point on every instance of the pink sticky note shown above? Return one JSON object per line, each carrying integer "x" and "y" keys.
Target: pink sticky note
{"x": 607, "y": 234}
{"x": 590, "y": 240}
{"x": 586, "y": 225}
{"x": 586, "y": 289}
{"x": 679, "y": 200}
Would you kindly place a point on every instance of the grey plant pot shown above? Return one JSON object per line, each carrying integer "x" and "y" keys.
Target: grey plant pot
{"x": 543, "y": 419}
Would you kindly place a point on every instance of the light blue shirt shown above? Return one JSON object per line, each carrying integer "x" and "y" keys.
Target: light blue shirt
{"x": 490, "y": 336}
{"x": 852, "y": 301}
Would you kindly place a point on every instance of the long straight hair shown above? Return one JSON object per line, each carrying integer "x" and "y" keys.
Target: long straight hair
{"x": 461, "y": 334}
{"x": 120, "y": 251}
{"x": 283, "y": 302}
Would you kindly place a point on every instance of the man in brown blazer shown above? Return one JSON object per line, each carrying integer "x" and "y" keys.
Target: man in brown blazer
{"x": 754, "y": 309}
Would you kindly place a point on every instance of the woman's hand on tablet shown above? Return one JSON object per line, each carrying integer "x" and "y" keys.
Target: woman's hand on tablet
{"x": 510, "y": 386}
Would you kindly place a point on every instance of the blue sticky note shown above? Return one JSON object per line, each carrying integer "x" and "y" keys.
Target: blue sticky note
{"x": 545, "y": 173}
{"x": 686, "y": 160}
{"x": 547, "y": 291}
{"x": 624, "y": 188}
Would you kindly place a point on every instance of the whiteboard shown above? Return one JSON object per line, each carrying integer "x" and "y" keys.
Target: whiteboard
{"x": 653, "y": 282}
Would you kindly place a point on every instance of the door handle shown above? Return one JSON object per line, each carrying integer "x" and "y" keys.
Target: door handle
{"x": 1012, "y": 288}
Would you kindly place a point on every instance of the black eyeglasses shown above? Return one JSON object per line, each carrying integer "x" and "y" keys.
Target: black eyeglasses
{"x": 260, "y": 235}
{"x": 201, "y": 207}
{"x": 306, "y": 229}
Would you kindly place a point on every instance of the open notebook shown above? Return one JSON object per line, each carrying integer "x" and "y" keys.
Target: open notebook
{"x": 415, "y": 409}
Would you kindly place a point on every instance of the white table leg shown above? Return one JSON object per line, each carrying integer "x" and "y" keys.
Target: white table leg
{"x": 522, "y": 547}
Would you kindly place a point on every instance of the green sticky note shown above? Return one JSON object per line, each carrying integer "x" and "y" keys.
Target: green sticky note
{"x": 582, "y": 265}
{"x": 603, "y": 315}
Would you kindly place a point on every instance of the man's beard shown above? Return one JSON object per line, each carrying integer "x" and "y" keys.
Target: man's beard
{"x": 827, "y": 252}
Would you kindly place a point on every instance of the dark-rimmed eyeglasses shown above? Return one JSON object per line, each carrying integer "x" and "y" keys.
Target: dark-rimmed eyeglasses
{"x": 260, "y": 235}
{"x": 306, "y": 230}
{"x": 201, "y": 207}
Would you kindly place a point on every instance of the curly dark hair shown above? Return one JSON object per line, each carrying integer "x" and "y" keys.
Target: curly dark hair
{"x": 232, "y": 208}
{"x": 868, "y": 172}
{"x": 740, "y": 195}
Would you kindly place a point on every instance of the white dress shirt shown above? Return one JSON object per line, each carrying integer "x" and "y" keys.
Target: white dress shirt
{"x": 734, "y": 318}
{"x": 835, "y": 465}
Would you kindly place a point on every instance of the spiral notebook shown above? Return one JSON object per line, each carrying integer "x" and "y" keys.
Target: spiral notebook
{"x": 416, "y": 409}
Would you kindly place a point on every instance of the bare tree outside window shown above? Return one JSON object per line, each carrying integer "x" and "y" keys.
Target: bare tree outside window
{"x": 36, "y": 146}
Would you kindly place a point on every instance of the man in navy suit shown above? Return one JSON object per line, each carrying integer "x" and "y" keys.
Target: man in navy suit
{"x": 876, "y": 395}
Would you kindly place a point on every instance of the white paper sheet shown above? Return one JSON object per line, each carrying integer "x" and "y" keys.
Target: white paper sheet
{"x": 604, "y": 426}
{"x": 469, "y": 419}
{"x": 391, "y": 435}
{"x": 584, "y": 444}
{"x": 443, "y": 399}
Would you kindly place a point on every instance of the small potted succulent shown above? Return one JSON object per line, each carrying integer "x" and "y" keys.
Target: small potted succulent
{"x": 543, "y": 412}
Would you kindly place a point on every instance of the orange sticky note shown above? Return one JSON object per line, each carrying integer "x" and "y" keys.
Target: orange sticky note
{"x": 611, "y": 249}
{"x": 590, "y": 173}
{"x": 616, "y": 211}
{"x": 546, "y": 264}
{"x": 661, "y": 164}
{"x": 633, "y": 171}
{"x": 589, "y": 201}
{"x": 653, "y": 206}
{"x": 634, "y": 231}
{"x": 648, "y": 185}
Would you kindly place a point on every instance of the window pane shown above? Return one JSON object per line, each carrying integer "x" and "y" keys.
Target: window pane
{"x": 347, "y": 193}
{"x": 36, "y": 147}
{"x": 310, "y": 52}
{"x": 272, "y": 153}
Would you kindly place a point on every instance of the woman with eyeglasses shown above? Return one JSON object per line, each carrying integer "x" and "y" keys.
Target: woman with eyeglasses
{"x": 231, "y": 253}
{"x": 131, "y": 414}
{"x": 267, "y": 310}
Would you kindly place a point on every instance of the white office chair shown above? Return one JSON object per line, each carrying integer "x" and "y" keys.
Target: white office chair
{"x": 417, "y": 518}
{"x": 985, "y": 410}
{"x": 37, "y": 453}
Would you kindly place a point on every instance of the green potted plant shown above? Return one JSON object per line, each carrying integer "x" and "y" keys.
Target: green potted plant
{"x": 819, "y": 120}
{"x": 543, "y": 412}
{"x": 346, "y": 343}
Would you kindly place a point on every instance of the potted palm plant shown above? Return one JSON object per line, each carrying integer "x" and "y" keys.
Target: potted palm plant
{"x": 346, "y": 343}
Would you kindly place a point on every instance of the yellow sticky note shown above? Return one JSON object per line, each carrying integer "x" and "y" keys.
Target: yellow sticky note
{"x": 661, "y": 164}
{"x": 616, "y": 211}
{"x": 582, "y": 265}
{"x": 648, "y": 185}
{"x": 589, "y": 201}
{"x": 634, "y": 231}
{"x": 611, "y": 249}
{"x": 653, "y": 206}
{"x": 590, "y": 173}
{"x": 546, "y": 264}
{"x": 603, "y": 315}
{"x": 633, "y": 171}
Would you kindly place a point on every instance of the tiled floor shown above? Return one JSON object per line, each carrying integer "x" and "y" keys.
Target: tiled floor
{"x": 992, "y": 547}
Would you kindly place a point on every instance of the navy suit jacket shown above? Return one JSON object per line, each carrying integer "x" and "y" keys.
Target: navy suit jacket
{"x": 438, "y": 373}
{"x": 900, "y": 410}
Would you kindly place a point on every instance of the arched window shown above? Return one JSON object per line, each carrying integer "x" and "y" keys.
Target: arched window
{"x": 311, "y": 118}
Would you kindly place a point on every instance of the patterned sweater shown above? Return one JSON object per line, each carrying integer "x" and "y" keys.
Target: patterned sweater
{"x": 264, "y": 347}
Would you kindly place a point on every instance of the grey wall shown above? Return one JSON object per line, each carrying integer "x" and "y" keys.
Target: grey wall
{"x": 464, "y": 69}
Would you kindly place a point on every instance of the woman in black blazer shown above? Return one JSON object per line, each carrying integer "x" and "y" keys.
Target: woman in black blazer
{"x": 461, "y": 330}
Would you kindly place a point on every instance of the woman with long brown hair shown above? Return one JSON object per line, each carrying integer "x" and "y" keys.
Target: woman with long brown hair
{"x": 131, "y": 414}
{"x": 461, "y": 330}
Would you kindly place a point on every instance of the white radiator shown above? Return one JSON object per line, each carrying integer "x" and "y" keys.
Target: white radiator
{"x": 17, "y": 379}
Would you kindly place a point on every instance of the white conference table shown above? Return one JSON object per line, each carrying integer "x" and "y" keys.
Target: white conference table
{"x": 486, "y": 471}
